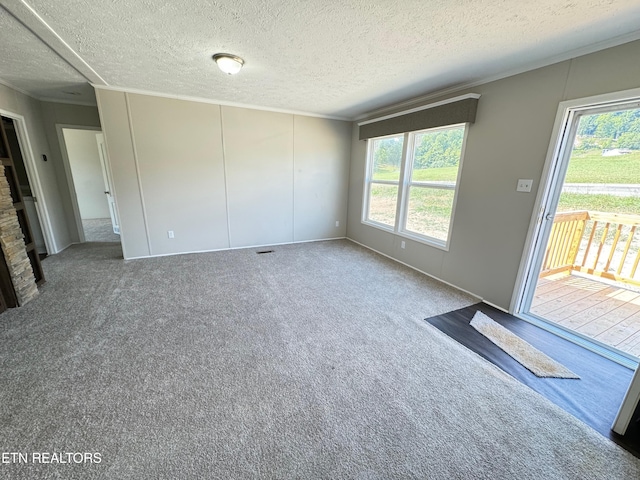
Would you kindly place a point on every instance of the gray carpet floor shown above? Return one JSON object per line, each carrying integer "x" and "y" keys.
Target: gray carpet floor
{"x": 99, "y": 230}
{"x": 309, "y": 362}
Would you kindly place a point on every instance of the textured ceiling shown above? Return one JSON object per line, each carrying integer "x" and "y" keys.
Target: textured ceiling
{"x": 31, "y": 66}
{"x": 338, "y": 58}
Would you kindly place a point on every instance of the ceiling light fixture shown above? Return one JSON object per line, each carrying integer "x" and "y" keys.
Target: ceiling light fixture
{"x": 228, "y": 63}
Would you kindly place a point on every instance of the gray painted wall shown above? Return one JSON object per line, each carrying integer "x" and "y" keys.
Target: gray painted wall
{"x": 41, "y": 119}
{"x": 20, "y": 104}
{"x": 222, "y": 177}
{"x": 319, "y": 200}
{"x": 84, "y": 160}
{"x": 508, "y": 141}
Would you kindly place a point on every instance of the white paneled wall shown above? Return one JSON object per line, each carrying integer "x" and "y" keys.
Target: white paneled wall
{"x": 179, "y": 155}
{"x": 259, "y": 159}
{"x": 222, "y": 177}
{"x": 114, "y": 118}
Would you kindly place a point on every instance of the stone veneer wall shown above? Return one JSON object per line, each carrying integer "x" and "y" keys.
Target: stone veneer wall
{"x": 13, "y": 246}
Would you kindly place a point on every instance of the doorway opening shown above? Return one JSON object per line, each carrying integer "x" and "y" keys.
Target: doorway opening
{"x": 29, "y": 198}
{"x": 584, "y": 278}
{"x": 19, "y": 249}
{"x": 90, "y": 184}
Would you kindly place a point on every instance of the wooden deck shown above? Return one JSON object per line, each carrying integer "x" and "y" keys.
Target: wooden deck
{"x": 607, "y": 313}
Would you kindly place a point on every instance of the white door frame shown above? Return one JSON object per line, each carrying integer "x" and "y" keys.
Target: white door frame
{"x": 546, "y": 202}
{"x": 551, "y": 174}
{"x": 629, "y": 405}
{"x": 108, "y": 183}
{"x": 68, "y": 173}
{"x": 34, "y": 180}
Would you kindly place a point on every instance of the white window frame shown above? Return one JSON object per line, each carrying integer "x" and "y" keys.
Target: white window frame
{"x": 369, "y": 181}
{"x": 404, "y": 184}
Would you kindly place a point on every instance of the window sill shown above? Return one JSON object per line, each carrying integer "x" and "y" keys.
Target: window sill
{"x": 379, "y": 226}
{"x": 439, "y": 244}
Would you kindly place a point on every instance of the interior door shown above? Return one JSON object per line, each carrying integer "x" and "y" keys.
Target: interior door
{"x": 107, "y": 184}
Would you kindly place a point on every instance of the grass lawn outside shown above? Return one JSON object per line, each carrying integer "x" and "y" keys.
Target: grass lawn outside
{"x": 420, "y": 175}
{"x": 598, "y": 203}
{"x": 430, "y": 209}
{"x": 382, "y": 204}
{"x": 584, "y": 167}
{"x": 592, "y": 167}
{"x": 428, "y": 214}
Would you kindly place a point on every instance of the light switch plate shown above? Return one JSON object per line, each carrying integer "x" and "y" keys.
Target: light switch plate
{"x": 524, "y": 185}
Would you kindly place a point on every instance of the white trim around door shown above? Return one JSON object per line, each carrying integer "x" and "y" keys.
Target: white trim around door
{"x": 67, "y": 171}
{"x": 545, "y": 202}
{"x": 547, "y": 198}
{"x": 34, "y": 180}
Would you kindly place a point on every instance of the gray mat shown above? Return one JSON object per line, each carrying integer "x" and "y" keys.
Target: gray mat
{"x": 309, "y": 362}
{"x": 526, "y": 354}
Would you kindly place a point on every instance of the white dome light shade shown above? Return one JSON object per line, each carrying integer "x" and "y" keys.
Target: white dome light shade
{"x": 228, "y": 63}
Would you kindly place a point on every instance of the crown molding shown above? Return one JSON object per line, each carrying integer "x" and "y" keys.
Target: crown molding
{"x": 17, "y": 89}
{"x": 67, "y": 102}
{"x": 45, "y": 99}
{"x": 575, "y": 53}
{"x": 216, "y": 102}
{"x": 27, "y": 16}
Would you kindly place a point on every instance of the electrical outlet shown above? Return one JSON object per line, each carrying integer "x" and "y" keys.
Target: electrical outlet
{"x": 524, "y": 185}
{"x": 402, "y": 244}
{"x": 337, "y": 223}
{"x": 170, "y": 233}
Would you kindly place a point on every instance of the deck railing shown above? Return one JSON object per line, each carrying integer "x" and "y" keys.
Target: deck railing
{"x": 595, "y": 243}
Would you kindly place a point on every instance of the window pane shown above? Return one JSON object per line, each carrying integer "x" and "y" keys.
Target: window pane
{"x": 436, "y": 155}
{"x": 429, "y": 211}
{"x": 387, "y": 157}
{"x": 382, "y": 204}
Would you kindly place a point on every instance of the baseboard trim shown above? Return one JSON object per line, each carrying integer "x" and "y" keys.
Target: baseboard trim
{"x": 497, "y": 307}
{"x": 60, "y": 250}
{"x": 420, "y": 271}
{"x": 235, "y": 248}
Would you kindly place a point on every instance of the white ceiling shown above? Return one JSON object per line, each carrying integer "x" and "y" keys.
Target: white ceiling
{"x": 339, "y": 58}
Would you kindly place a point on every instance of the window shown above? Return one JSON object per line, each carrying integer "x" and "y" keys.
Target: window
{"x": 411, "y": 183}
{"x": 385, "y": 157}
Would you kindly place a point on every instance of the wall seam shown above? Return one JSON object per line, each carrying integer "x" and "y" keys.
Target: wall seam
{"x": 566, "y": 81}
{"x": 137, "y": 164}
{"x": 224, "y": 173}
{"x": 293, "y": 178}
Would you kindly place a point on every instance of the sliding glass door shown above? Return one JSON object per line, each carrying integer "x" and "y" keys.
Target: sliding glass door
{"x": 584, "y": 278}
